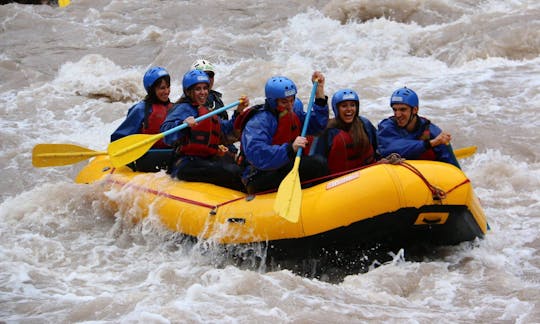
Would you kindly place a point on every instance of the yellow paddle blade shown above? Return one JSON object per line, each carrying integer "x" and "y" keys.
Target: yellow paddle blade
{"x": 288, "y": 202}
{"x": 44, "y": 155}
{"x": 94, "y": 171}
{"x": 130, "y": 148}
{"x": 465, "y": 152}
{"x": 63, "y": 3}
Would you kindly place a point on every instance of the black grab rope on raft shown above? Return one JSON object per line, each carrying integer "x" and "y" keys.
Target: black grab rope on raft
{"x": 436, "y": 193}
{"x": 395, "y": 159}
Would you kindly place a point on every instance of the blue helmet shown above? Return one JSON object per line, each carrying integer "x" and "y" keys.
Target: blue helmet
{"x": 344, "y": 95}
{"x": 278, "y": 87}
{"x": 405, "y": 96}
{"x": 151, "y": 76}
{"x": 193, "y": 77}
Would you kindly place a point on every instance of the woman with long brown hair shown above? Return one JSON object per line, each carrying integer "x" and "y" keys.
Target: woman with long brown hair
{"x": 349, "y": 140}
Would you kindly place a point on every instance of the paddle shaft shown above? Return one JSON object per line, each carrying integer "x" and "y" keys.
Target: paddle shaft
{"x": 200, "y": 118}
{"x": 308, "y": 115}
{"x": 74, "y": 154}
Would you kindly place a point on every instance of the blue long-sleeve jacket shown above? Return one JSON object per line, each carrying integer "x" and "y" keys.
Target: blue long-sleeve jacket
{"x": 133, "y": 122}
{"x": 394, "y": 139}
{"x": 260, "y": 129}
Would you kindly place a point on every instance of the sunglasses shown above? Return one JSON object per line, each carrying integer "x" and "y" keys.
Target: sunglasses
{"x": 209, "y": 73}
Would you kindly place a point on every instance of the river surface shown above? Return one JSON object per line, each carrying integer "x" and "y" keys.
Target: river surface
{"x": 68, "y": 75}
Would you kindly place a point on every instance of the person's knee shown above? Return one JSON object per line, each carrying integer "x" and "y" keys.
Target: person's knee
{"x": 232, "y": 169}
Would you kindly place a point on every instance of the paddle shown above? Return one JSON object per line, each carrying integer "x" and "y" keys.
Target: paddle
{"x": 130, "y": 148}
{"x": 465, "y": 152}
{"x": 44, "y": 155}
{"x": 289, "y": 196}
{"x": 63, "y": 3}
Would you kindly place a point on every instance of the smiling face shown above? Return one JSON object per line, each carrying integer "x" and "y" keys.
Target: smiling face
{"x": 286, "y": 103}
{"x": 163, "y": 90}
{"x": 347, "y": 111}
{"x": 198, "y": 93}
{"x": 403, "y": 114}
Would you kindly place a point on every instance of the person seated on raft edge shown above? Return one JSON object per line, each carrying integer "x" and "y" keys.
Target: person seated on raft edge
{"x": 146, "y": 116}
{"x": 271, "y": 135}
{"x": 412, "y": 136}
{"x": 350, "y": 140}
{"x": 214, "y": 102}
{"x": 199, "y": 149}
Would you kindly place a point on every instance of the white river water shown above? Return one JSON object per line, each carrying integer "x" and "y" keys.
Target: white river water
{"x": 68, "y": 75}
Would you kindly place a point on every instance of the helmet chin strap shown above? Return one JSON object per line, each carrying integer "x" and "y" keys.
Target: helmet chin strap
{"x": 411, "y": 117}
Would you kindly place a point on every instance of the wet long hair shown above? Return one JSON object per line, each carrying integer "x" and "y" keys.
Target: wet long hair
{"x": 356, "y": 129}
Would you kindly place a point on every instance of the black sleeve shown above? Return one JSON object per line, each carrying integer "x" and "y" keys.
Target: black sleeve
{"x": 290, "y": 152}
{"x": 321, "y": 102}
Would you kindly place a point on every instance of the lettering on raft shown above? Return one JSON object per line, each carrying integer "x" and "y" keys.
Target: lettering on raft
{"x": 340, "y": 181}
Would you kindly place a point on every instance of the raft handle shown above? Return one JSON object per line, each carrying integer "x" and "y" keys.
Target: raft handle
{"x": 432, "y": 218}
{"x": 236, "y": 220}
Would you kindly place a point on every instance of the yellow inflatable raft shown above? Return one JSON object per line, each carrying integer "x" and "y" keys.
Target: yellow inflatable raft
{"x": 412, "y": 201}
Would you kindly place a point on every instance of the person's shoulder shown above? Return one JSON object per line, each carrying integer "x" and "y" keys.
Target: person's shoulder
{"x": 424, "y": 120}
{"x": 428, "y": 123}
{"x": 261, "y": 108}
{"x": 365, "y": 120}
{"x": 138, "y": 105}
{"x": 261, "y": 112}
{"x": 182, "y": 108}
{"x": 183, "y": 105}
{"x": 258, "y": 114}
{"x": 332, "y": 131}
{"x": 216, "y": 93}
{"x": 386, "y": 122}
{"x": 137, "y": 108}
